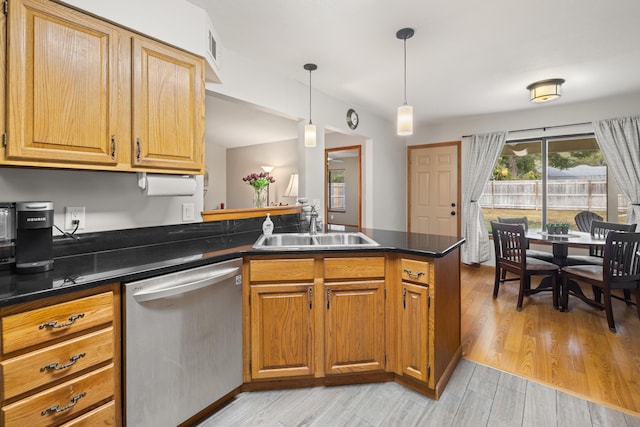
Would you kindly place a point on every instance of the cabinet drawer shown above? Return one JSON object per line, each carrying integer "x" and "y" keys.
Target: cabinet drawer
{"x": 26, "y": 372}
{"x": 265, "y": 270}
{"x": 68, "y": 399}
{"x": 415, "y": 271}
{"x": 104, "y": 415}
{"x": 38, "y": 326}
{"x": 353, "y": 268}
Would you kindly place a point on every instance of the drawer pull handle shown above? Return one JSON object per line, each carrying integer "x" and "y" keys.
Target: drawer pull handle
{"x": 56, "y": 367}
{"x": 57, "y": 409}
{"x": 54, "y": 324}
{"x": 414, "y": 275}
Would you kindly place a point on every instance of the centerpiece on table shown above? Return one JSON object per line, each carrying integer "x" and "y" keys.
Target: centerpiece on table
{"x": 557, "y": 228}
{"x": 260, "y": 183}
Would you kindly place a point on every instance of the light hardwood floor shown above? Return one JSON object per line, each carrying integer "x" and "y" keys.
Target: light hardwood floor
{"x": 571, "y": 351}
{"x": 537, "y": 367}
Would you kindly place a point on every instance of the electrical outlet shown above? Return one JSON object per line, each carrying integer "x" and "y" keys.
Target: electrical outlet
{"x": 188, "y": 212}
{"x": 71, "y": 216}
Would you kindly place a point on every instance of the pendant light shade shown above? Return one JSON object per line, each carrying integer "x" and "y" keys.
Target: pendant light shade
{"x": 545, "y": 90}
{"x": 310, "y": 128}
{"x": 310, "y": 135}
{"x": 405, "y": 111}
{"x": 405, "y": 120}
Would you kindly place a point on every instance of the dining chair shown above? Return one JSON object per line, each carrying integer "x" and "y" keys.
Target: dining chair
{"x": 583, "y": 220}
{"x": 599, "y": 230}
{"x": 620, "y": 270}
{"x": 510, "y": 243}
{"x": 543, "y": 255}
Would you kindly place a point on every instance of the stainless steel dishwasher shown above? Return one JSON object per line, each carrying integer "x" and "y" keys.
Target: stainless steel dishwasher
{"x": 183, "y": 343}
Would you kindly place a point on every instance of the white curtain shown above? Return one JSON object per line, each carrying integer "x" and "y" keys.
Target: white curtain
{"x": 483, "y": 153}
{"x": 619, "y": 141}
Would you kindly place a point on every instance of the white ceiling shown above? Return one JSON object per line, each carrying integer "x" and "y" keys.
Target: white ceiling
{"x": 466, "y": 57}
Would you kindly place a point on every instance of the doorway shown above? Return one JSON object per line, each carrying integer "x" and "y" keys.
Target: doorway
{"x": 434, "y": 188}
{"x": 343, "y": 187}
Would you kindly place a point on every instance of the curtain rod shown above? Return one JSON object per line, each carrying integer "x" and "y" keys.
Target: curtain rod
{"x": 541, "y": 128}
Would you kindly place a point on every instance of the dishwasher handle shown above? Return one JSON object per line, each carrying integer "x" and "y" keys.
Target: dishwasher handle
{"x": 165, "y": 292}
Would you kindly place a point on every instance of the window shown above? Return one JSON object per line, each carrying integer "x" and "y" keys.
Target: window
{"x": 551, "y": 180}
{"x": 336, "y": 191}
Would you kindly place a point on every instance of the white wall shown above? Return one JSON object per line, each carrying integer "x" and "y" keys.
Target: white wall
{"x": 112, "y": 199}
{"x": 385, "y": 199}
{"x": 177, "y": 22}
{"x": 216, "y": 166}
{"x": 243, "y": 161}
{"x": 538, "y": 116}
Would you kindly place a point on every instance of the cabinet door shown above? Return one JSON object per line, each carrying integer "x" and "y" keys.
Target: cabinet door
{"x": 355, "y": 327}
{"x": 415, "y": 331}
{"x": 63, "y": 72}
{"x": 167, "y": 107}
{"x": 281, "y": 330}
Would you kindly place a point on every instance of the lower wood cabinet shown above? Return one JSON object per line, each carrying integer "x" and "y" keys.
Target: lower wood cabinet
{"x": 354, "y": 327}
{"x": 60, "y": 360}
{"x": 414, "y": 331}
{"x": 282, "y": 330}
{"x": 313, "y": 319}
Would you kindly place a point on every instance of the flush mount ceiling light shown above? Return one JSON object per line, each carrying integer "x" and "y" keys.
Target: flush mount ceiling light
{"x": 310, "y": 128}
{"x": 545, "y": 90}
{"x": 405, "y": 112}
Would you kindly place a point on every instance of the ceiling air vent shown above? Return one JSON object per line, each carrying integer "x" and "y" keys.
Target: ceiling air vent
{"x": 212, "y": 45}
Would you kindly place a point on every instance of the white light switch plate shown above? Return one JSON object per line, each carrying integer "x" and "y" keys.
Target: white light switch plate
{"x": 188, "y": 212}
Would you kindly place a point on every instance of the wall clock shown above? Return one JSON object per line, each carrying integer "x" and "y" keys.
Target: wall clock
{"x": 352, "y": 118}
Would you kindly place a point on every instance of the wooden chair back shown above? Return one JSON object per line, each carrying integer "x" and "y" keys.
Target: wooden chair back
{"x": 621, "y": 266}
{"x": 516, "y": 220}
{"x": 601, "y": 229}
{"x": 510, "y": 245}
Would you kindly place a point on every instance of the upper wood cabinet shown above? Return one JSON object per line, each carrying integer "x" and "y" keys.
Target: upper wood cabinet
{"x": 167, "y": 106}
{"x": 62, "y": 86}
{"x": 85, "y": 94}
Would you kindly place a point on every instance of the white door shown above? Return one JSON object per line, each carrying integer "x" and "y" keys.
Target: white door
{"x": 433, "y": 187}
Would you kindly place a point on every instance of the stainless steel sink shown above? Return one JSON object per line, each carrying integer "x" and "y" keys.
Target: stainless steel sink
{"x": 297, "y": 241}
{"x": 343, "y": 239}
{"x": 284, "y": 239}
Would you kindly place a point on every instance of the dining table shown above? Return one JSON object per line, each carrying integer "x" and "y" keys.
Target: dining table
{"x": 560, "y": 244}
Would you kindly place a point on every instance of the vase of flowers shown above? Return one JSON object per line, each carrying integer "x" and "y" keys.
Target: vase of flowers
{"x": 260, "y": 183}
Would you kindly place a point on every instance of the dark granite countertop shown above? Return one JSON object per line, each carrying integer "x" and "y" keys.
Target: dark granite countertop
{"x": 75, "y": 271}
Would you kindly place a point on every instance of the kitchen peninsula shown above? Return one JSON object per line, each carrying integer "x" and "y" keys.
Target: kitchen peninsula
{"x": 411, "y": 335}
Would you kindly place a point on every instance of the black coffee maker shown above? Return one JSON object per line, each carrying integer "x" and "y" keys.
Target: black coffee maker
{"x": 34, "y": 238}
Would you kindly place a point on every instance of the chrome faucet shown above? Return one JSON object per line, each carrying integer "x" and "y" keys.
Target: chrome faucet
{"x": 314, "y": 216}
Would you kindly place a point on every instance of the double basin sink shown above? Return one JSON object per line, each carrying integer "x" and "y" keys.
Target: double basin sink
{"x": 297, "y": 241}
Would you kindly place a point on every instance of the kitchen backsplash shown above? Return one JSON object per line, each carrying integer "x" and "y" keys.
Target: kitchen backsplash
{"x": 118, "y": 239}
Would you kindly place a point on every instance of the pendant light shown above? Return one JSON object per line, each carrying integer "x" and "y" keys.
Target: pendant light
{"x": 310, "y": 128}
{"x": 405, "y": 112}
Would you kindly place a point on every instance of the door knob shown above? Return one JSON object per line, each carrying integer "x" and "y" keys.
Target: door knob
{"x": 453, "y": 213}
{"x": 453, "y": 205}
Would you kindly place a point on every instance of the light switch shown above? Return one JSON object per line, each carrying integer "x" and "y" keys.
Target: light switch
{"x": 188, "y": 212}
